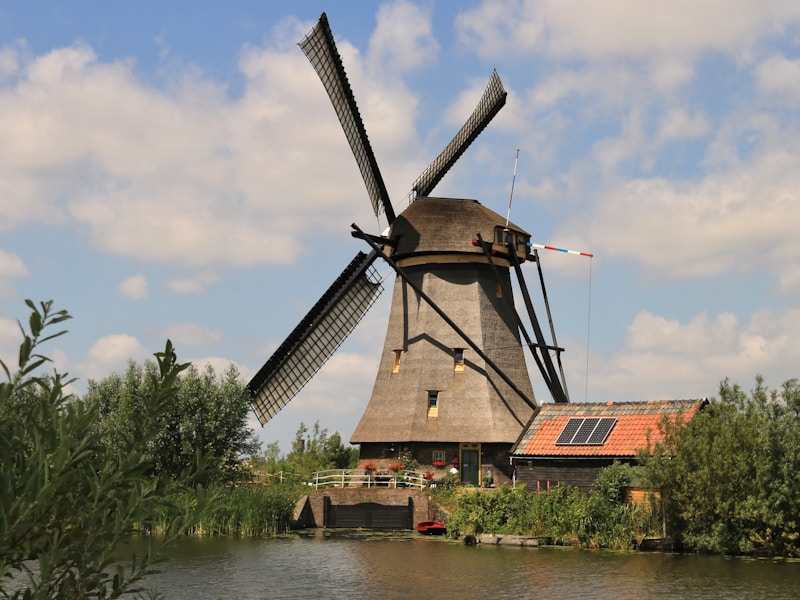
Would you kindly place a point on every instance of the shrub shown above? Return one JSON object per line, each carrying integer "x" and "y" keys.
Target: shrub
{"x": 65, "y": 507}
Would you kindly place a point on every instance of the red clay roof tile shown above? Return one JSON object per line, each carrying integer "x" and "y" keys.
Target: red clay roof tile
{"x": 637, "y": 425}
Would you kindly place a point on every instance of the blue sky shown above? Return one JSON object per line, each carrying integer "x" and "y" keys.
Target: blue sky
{"x": 175, "y": 170}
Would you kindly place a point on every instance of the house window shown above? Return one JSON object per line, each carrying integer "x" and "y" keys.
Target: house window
{"x": 438, "y": 459}
{"x": 433, "y": 404}
{"x": 396, "y": 366}
{"x": 545, "y": 485}
{"x": 458, "y": 360}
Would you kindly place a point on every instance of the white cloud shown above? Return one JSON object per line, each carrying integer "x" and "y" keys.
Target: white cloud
{"x": 191, "y": 334}
{"x": 160, "y": 174}
{"x": 665, "y": 358}
{"x": 632, "y": 142}
{"x": 668, "y": 72}
{"x": 9, "y": 61}
{"x": 111, "y": 353}
{"x": 679, "y": 123}
{"x": 735, "y": 218}
{"x": 780, "y": 76}
{"x": 195, "y": 284}
{"x": 402, "y": 40}
{"x": 10, "y": 339}
{"x": 601, "y": 30}
{"x": 134, "y": 287}
{"x": 342, "y": 386}
{"x": 649, "y": 333}
{"x": 11, "y": 265}
{"x": 219, "y": 364}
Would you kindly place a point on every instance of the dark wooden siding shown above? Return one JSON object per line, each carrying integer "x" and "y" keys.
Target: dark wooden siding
{"x": 576, "y": 472}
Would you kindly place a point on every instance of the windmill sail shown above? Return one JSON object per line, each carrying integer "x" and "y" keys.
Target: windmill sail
{"x": 493, "y": 99}
{"x": 320, "y": 48}
{"x": 316, "y": 338}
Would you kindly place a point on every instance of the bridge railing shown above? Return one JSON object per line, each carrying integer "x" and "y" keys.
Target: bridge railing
{"x": 358, "y": 478}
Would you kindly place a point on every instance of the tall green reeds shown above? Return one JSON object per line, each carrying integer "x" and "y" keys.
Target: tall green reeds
{"x": 251, "y": 510}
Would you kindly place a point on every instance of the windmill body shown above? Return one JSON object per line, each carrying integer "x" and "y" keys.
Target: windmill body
{"x": 433, "y": 395}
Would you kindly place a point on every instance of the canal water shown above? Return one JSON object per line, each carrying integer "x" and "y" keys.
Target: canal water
{"x": 403, "y": 567}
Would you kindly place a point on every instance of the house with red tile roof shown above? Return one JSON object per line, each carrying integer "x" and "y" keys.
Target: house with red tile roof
{"x": 568, "y": 444}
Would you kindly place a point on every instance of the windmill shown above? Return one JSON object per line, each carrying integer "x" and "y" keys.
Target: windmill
{"x": 452, "y": 384}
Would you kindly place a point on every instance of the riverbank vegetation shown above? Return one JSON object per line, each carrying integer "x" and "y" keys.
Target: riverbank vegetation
{"x": 563, "y": 516}
{"x": 264, "y": 504}
{"x": 66, "y": 506}
{"x": 156, "y": 450}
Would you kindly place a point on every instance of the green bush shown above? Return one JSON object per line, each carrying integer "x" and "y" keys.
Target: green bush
{"x": 564, "y": 515}
{"x": 729, "y": 478}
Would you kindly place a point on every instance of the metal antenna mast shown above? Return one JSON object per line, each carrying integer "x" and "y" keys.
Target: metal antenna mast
{"x": 511, "y": 196}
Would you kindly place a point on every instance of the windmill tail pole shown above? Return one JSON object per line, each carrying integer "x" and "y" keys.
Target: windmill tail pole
{"x": 511, "y": 196}
{"x": 543, "y": 247}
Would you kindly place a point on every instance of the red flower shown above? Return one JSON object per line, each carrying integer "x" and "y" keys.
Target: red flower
{"x": 396, "y": 466}
{"x": 439, "y": 464}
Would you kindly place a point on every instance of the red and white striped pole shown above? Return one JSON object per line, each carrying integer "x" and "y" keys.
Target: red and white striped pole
{"x": 532, "y": 245}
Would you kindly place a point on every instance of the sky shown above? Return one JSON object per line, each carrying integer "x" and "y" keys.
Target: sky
{"x": 176, "y": 171}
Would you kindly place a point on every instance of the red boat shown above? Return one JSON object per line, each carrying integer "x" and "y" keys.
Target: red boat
{"x": 431, "y": 528}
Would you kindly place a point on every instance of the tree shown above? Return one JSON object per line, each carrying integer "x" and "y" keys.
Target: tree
{"x": 728, "y": 478}
{"x": 207, "y": 418}
{"x": 315, "y": 452}
{"x": 65, "y": 509}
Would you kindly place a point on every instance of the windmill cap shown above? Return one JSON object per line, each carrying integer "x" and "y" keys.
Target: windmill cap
{"x": 446, "y": 225}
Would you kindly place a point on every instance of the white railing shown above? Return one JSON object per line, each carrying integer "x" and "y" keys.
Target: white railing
{"x": 358, "y": 478}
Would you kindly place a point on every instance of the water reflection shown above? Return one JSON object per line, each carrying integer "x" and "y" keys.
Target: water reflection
{"x": 393, "y": 568}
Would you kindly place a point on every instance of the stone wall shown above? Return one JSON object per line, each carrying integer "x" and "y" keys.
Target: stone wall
{"x": 309, "y": 510}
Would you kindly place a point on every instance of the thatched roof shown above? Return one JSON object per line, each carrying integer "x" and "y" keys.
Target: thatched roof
{"x": 436, "y": 225}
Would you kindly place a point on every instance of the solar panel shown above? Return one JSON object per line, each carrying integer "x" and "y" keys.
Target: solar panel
{"x": 602, "y": 430}
{"x": 590, "y": 431}
{"x": 569, "y": 431}
{"x": 584, "y": 431}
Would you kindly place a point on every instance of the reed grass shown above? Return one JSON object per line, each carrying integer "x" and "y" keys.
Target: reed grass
{"x": 247, "y": 510}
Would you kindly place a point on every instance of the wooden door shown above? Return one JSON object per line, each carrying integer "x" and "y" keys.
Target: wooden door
{"x": 470, "y": 467}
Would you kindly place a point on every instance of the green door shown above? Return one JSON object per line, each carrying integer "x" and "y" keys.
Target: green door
{"x": 470, "y": 467}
